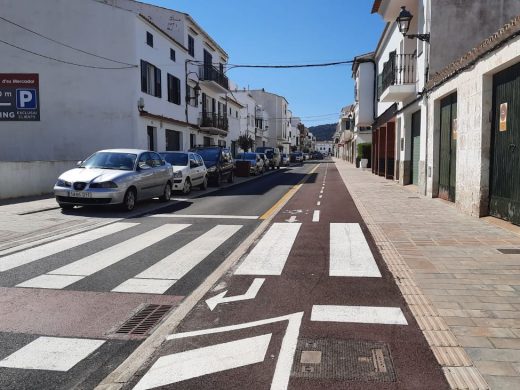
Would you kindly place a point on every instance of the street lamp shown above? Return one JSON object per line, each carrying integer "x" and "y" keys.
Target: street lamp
{"x": 403, "y": 22}
{"x": 196, "y": 89}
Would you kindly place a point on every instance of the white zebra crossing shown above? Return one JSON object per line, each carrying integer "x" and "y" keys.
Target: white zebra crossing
{"x": 164, "y": 274}
{"x": 71, "y": 273}
{"x": 28, "y": 256}
{"x": 268, "y": 257}
{"x": 350, "y": 254}
{"x": 51, "y": 353}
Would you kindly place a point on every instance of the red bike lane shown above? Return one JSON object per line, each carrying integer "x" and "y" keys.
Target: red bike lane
{"x": 312, "y": 305}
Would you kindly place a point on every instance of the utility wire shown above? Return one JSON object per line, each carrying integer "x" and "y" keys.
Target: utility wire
{"x": 63, "y": 44}
{"x": 66, "y": 62}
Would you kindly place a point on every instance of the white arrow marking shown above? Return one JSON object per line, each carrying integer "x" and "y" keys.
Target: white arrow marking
{"x": 292, "y": 219}
{"x": 284, "y": 363}
{"x": 203, "y": 361}
{"x": 250, "y": 294}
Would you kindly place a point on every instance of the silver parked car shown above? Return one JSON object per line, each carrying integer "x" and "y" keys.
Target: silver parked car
{"x": 115, "y": 176}
{"x": 188, "y": 170}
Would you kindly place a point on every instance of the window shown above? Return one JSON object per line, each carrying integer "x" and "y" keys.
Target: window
{"x": 172, "y": 55}
{"x": 191, "y": 46}
{"x": 149, "y": 39}
{"x": 151, "y": 141}
{"x": 193, "y": 140}
{"x": 174, "y": 89}
{"x": 150, "y": 79}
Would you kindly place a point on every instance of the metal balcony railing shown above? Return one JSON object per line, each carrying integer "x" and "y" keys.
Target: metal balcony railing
{"x": 208, "y": 72}
{"x": 398, "y": 70}
{"x": 210, "y": 119}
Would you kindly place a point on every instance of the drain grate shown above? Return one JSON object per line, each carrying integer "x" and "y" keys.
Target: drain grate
{"x": 414, "y": 197}
{"x": 144, "y": 320}
{"x": 343, "y": 359}
{"x": 510, "y": 251}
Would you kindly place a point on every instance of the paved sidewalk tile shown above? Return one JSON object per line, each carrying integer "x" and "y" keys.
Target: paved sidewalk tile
{"x": 454, "y": 260}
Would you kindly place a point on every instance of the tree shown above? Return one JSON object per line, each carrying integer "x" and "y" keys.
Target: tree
{"x": 245, "y": 142}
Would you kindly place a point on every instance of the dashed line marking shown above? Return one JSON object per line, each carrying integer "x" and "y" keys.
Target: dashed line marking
{"x": 316, "y": 216}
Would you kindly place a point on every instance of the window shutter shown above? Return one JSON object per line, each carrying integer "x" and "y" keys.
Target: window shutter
{"x": 158, "y": 82}
{"x": 144, "y": 83}
{"x": 177, "y": 90}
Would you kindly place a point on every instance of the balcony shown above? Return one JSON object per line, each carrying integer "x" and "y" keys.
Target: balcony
{"x": 397, "y": 82}
{"x": 214, "y": 123}
{"x": 214, "y": 76}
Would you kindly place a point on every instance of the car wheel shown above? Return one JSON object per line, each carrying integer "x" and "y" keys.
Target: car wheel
{"x": 187, "y": 186}
{"x": 167, "y": 193}
{"x": 231, "y": 177}
{"x": 129, "y": 200}
{"x": 204, "y": 184}
{"x": 65, "y": 206}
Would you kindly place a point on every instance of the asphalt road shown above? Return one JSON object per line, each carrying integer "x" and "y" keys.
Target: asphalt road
{"x": 63, "y": 303}
{"x": 311, "y": 305}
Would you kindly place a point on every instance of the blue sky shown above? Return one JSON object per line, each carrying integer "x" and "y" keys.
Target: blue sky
{"x": 283, "y": 32}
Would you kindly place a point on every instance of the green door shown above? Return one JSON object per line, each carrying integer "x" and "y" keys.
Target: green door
{"x": 416, "y": 146}
{"x": 448, "y": 148}
{"x": 505, "y": 162}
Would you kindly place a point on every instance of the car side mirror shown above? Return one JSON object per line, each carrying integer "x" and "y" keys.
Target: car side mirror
{"x": 143, "y": 166}
{"x": 79, "y": 163}
{"x": 193, "y": 165}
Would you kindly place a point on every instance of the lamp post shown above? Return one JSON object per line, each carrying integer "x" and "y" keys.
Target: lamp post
{"x": 196, "y": 89}
{"x": 403, "y": 22}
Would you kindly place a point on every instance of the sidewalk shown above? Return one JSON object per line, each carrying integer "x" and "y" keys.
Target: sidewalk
{"x": 463, "y": 291}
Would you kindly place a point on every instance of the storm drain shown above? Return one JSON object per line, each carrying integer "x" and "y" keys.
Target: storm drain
{"x": 510, "y": 251}
{"x": 144, "y": 320}
{"x": 343, "y": 359}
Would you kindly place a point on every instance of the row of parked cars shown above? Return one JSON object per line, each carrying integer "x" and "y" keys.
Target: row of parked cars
{"x": 126, "y": 176}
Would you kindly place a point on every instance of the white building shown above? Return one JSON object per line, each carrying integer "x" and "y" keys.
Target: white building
{"x": 126, "y": 89}
{"x": 325, "y": 147}
{"x": 254, "y": 119}
{"x": 276, "y": 107}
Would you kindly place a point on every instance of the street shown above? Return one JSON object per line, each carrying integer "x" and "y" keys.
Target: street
{"x": 309, "y": 305}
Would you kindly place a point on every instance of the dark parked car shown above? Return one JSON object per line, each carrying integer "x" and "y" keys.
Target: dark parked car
{"x": 218, "y": 161}
{"x": 296, "y": 157}
{"x": 316, "y": 156}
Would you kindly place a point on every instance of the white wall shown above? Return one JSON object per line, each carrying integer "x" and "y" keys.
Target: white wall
{"x": 81, "y": 109}
{"x": 365, "y": 94}
{"x": 474, "y": 102}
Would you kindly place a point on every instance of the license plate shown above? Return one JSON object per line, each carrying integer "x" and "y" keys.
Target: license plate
{"x": 76, "y": 194}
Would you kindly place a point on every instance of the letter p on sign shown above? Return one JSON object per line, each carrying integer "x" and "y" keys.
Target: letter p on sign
{"x": 26, "y": 99}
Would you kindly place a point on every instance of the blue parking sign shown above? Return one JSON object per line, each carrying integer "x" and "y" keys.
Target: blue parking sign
{"x": 26, "y": 99}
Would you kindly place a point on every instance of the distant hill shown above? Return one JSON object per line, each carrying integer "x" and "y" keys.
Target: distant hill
{"x": 323, "y": 132}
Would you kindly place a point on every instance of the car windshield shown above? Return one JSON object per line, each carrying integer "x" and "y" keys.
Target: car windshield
{"x": 209, "y": 154}
{"x": 110, "y": 160}
{"x": 176, "y": 158}
{"x": 249, "y": 156}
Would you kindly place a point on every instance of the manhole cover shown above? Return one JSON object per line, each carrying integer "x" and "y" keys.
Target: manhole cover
{"x": 510, "y": 251}
{"x": 343, "y": 359}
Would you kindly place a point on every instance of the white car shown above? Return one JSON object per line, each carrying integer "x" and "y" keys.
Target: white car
{"x": 188, "y": 170}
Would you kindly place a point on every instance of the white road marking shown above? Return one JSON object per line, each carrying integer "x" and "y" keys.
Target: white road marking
{"x": 51, "y": 281}
{"x": 321, "y": 192}
{"x": 287, "y": 349}
{"x": 51, "y": 248}
{"x": 251, "y": 293}
{"x": 291, "y": 219}
{"x": 164, "y": 274}
{"x": 316, "y": 216}
{"x": 350, "y": 254}
{"x": 321, "y": 196}
{"x": 51, "y": 353}
{"x": 268, "y": 257}
{"x": 204, "y": 216}
{"x": 318, "y": 203}
{"x": 358, "y": 314}
{"x": 203, "y": 361}
{"x": 100, "y": 260}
